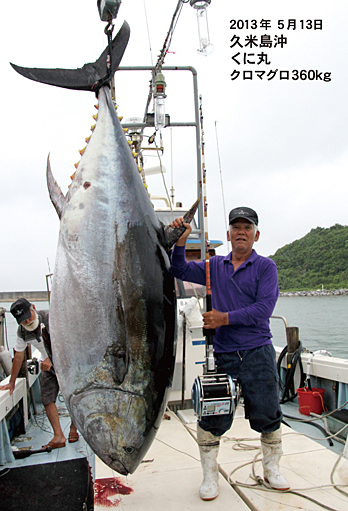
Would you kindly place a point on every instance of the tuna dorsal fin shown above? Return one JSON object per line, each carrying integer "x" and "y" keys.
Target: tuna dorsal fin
{"x": 56, "y": 194}
{"x": 172, "y": 235}
{"x": 83, "y": 78}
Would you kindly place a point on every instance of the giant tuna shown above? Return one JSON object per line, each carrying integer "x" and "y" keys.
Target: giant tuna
{"x": 113, "y": 307}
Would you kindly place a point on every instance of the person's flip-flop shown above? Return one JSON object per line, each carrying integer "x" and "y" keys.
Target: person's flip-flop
{"x": 54, "y": 445}
{"x": 73, "y": 437}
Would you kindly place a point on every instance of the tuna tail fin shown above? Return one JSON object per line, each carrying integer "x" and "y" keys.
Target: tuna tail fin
{"x": 172, "y": 235}
{"x": 88, "y": 76}
{"x": 56, "y": 194}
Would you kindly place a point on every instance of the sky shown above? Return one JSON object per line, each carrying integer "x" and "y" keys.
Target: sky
{"x": 277, "y": 145}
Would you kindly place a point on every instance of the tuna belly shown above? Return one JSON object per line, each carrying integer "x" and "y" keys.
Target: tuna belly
{"x": 113, "y": 423}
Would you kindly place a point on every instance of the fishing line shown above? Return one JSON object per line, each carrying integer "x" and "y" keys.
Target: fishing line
{"x": 222, "y": 185}
{"x": 148, "y": 34}
{"x": 169, "y": 35}
{"x": 177, "y": 450}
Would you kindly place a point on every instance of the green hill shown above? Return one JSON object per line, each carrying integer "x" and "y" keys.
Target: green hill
{"x": 318, "y": 259}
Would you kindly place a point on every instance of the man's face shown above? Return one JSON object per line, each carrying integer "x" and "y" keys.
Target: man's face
{"x": 242, "y": 235}
{"x": 30, "y": 321}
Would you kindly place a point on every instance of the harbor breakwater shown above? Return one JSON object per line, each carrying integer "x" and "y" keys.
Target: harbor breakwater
{"x": 41, "y": 296}
{"x": 32, "y": 296}
{"x": 318, "y": 292}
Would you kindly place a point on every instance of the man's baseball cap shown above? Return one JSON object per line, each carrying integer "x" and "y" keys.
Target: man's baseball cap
{"x": 247, "y": 213}
{"x": 20, "y": 309}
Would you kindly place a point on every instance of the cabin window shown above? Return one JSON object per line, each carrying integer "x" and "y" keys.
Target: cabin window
{"x": 188, "y": 289}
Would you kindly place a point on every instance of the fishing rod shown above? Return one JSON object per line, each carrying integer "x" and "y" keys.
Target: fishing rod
{"x": 209, "y": 366}
{"x": 212, "y": 393}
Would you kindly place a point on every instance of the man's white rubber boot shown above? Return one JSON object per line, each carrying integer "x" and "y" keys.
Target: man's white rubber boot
{"x": 208, "y": 448}
{"x": 271, "y": 445}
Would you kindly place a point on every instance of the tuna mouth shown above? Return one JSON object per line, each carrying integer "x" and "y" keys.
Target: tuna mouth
{"x": 113, "y": 423}
{"x": 118, "y": 466}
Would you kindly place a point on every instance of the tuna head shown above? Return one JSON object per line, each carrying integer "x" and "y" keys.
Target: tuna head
{"x": 115, "y": 424}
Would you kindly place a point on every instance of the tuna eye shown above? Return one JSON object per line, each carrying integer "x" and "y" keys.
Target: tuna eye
{"x": 129, "y": 450}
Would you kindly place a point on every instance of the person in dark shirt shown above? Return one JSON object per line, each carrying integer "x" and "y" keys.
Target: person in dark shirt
{"x": 33, "y": 330}
{"x": 244, "y": 290}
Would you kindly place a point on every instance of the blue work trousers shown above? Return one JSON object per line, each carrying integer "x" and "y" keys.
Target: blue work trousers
{"x": 256, "y": 371}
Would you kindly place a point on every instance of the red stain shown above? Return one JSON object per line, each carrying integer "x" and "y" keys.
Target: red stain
{"x": 109, "y": 487}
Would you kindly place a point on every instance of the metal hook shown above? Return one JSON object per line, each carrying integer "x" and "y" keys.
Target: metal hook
{"x": 110, "y": 24}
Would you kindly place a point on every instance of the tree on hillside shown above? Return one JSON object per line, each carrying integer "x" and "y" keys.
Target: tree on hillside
{"x": 318, "y": 259}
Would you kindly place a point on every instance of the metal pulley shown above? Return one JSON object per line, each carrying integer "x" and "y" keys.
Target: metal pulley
{"x": 214, "y": 394}
{"x": 108, "y": 9}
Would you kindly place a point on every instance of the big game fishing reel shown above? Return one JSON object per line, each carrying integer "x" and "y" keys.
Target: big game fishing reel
{"x": 214, "y": 394}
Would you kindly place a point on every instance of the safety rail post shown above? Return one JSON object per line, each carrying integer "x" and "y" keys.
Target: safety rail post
{"x": 2, "y": 326}
{"x": 292, "y": 337}
{"x": 292, "y": 340}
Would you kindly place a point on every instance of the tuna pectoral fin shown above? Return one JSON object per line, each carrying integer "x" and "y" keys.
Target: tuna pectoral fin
{"x": 88, "y": 75}
{"x": 56, "y": 194}
{"x": 172, "y": 235}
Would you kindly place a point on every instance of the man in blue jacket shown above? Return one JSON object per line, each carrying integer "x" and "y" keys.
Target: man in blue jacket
{"x": 244, "y": 289}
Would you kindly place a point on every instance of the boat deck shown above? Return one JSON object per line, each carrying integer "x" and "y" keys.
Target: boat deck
{"x": 39, "y": 433}
{"x": 171, "y": 474}
{"x": 55, "y": 481}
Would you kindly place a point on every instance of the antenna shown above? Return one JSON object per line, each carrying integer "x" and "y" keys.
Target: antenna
{"x": 48, "y": 276}
{"x": 171, "y": 165}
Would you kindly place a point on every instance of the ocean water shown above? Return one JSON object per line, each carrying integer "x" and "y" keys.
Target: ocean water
{"x": 322, "y": 322}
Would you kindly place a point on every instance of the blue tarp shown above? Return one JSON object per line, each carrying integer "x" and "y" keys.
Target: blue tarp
{"x": 342, "y": 395}
{"x": 6, "y": 455}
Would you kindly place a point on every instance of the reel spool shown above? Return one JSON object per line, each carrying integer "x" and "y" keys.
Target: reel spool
{"x": 214, "y": 394}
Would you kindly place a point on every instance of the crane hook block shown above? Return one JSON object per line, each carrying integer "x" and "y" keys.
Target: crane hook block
{"x": 108, "y": 8}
